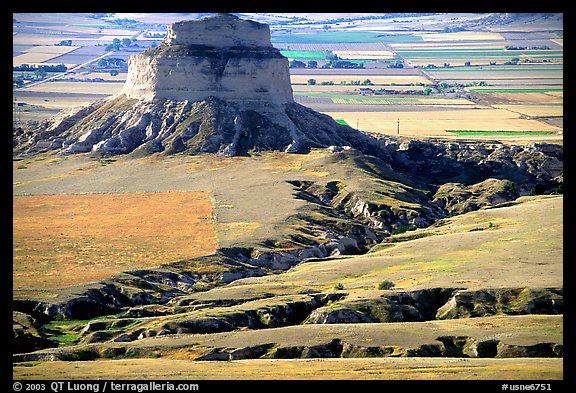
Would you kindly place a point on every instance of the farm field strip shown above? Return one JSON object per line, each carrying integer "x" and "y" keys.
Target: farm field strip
{"x": 303, "y": 54}
{"x": 78, "y": 87}
{"x": 384, "y": 100}
{"x": 59, "y": 50}
{"x": 534, "y": 110}
{"x": 57, "y": 102}
{"x": 429, "y": 123}
{"x": 368, "y": 46}
{"x": 375, "y": 79}
{"x": 350, "y": 89}
{"x": 463, "y": 36}
{"x": 483, "y": 89}
{"x": 449, "y": 45}
{"x": 339, "y": 37}
{"x": 59, "y": 239}
{"x": 523, "y": 98}
{"x": 364, "y": 54}
{"x": 33, "y": 58}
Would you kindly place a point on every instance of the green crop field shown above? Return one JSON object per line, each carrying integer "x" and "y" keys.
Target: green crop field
{"x": 303, "y": 54}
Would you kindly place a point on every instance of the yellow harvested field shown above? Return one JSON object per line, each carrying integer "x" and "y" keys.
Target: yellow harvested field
{"x": 32, "y": 58}
{"x": 535, "y": 110}
{"x": 66, "y": 240}
{"x": 462, "y": 36}
{"x": 429, "y": 123}
{"x": 78, "y": 87}
{"x": 548, "y": 98}
{"x": 376, "y": 79}
{"x": 364, "y": 54}
{"x": 60, "y": 50}
{"x": 447, "y": 45}
{"x": 57, "y": 102}
{"x": 41, "y": 54}
{"x": 37, "y": 39}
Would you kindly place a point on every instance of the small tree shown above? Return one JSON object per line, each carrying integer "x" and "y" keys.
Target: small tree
{"x": 113, "y": 72}
{"x": 311, "y": 82}
{"x": 312, "y": 64}
{"x": 40, "y": 73}
{"x": 297, "y": 64}
{"x": 467, "y": 63}
{"x": 386, "y": 284}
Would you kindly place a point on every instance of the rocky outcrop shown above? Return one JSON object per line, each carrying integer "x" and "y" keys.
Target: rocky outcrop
{"x": 221, "y": 56}
{"x": 27, "y": 334}
{"x": 443, "y": 346}
{"x": 456, "y": 198}
{"x": 414, "y": 306}
{"x": 512, "y": 301}
{"x": 441, "y": 303}
{"x": 214, "y": 85}
{"x": 533, "y": 168}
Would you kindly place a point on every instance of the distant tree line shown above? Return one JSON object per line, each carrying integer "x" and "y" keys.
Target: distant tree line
{"x": 45, "y": 68}
{"x": 329, "y": 64}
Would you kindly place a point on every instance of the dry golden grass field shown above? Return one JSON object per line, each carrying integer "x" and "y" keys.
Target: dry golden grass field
{"x": 65, "y": 240}
{"x": 77, "y": 87}
{"x": 302, "y": 369}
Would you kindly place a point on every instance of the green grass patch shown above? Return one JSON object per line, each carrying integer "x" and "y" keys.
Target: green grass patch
{"x": 303, "y": 54}
{"x": 495, "y": 133}
{"x": 343, "y": 122}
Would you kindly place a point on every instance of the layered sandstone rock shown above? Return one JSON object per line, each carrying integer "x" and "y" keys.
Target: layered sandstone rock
{"x": 214, "y": 85}
{"x": 221, "y": 56}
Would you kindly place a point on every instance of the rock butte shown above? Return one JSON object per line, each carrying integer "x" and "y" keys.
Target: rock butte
{"x": 214, "y": 85}
{"x": 222, "y": 56}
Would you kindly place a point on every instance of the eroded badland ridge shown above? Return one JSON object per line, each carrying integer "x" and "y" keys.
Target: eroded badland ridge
{"x": 387, "y": 247}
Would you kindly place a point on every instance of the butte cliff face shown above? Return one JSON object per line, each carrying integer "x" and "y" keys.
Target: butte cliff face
{"x": 214, "y": 85}
{"x": 223, "y": 57}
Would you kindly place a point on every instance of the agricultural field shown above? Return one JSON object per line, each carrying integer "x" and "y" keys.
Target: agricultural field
{"x": 376, "y": 80}
{"x": 104, "y": 88}
{"x": 42, "y": 54}
{"x": 441, "y": 123}
{"x": 476, "y": 75}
